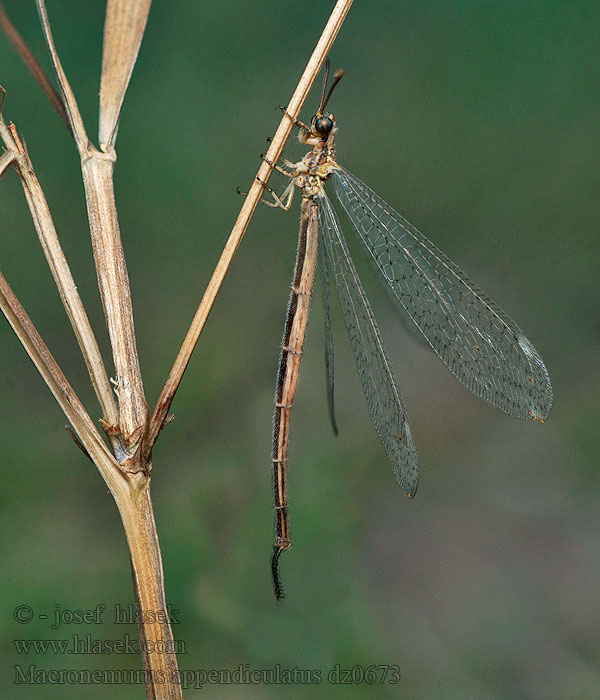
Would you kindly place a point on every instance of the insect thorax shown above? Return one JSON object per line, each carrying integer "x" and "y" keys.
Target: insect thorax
{"x": 318, "y": 165}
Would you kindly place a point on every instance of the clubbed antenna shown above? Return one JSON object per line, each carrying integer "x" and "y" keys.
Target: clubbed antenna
{"x": 337, "y": 76}
{"x": 323, "y": 101}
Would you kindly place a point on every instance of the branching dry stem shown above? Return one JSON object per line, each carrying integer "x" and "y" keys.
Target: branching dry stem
{"x": 97, "y": 169}
{"x": 131, "y": 433}
{"x": 44, "y": 225}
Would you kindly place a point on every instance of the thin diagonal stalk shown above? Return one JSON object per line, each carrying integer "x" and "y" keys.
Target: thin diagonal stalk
{"x": 61, "y": 272}
{"x": 68, "y": 98}
{"x": 97, "y": 169}
{"x": 60, "y": 387}
{"x": 33, "y": 66}
{"x": 322, "y": 48}
{"x": 131, "y": 492}
{"x": 127, "y": 476}
{"x": 5, "y": 160}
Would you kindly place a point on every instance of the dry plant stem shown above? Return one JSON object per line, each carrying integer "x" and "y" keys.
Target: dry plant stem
{"x": 132, "y": 496}
{"x": 60, "y": 387}
{"x": 123, "y": 32}
{"x": 68, "y": 100}
{"x": 113, "y": 281}
{"x": 61, "y": 272}
{"x": 295, "y": 105}
{"x": 78, "y": 442}
{"x": 156, "y": 637}
{"x": 33, "y": 66}
{"x": 127, "y": 477}
{"x": 5, "y": 160}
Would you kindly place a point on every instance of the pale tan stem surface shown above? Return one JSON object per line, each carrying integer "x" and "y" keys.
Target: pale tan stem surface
{"x": 127, "y": 476}
{"x": 97, "y": 169}
{"x": 132, "y": 495}
{"x": 295, "y": 105}
{"x": 61, "y": 272}
{"x": 156, "y": 637}
{"x": 123, "y": 32}
{"x": 113, "y": 282}
{"x": 5, "y": 160}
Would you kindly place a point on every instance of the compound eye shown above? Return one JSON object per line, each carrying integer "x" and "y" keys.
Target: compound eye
{"x": 323, "y": 125}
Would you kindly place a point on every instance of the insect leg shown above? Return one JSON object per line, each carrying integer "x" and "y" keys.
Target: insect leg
{"x": 285, "y": 201}
{"x": 281, "y": 170}
{"x": 297, "y": 122}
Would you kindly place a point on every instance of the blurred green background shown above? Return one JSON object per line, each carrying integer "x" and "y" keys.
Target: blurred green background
{"x": 479, "y": 122}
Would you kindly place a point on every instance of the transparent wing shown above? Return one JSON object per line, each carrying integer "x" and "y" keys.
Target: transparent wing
{"x": 329, "y": 354}
{"x": 475, "y": 339}
{"x": 383, "y": 399}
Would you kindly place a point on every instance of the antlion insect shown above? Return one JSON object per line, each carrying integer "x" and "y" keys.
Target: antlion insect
{"x": 472, "y": 336}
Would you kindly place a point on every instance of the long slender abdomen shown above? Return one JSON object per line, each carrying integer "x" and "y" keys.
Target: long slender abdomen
{"x": 287, "y": 376}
